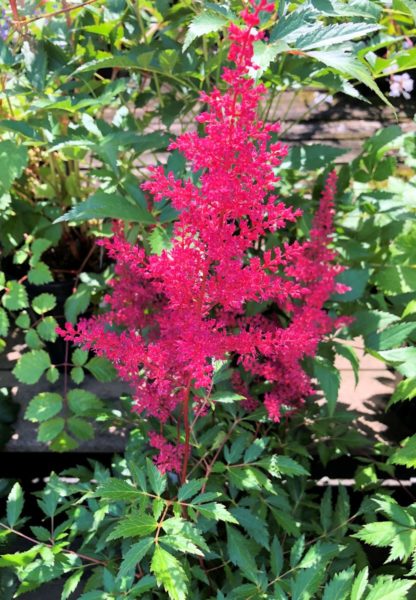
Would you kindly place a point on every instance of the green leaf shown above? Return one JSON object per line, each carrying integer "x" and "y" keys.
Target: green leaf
{"x": 178, "y": 526}
{"x": 396, "y": 280}
{"x": 181, "y": 543}
{"x": 329, "y": 381}
{"x": 169, "y": 573}
{"x": 321, "y": 37}
{"x": 134, "y": 555}
{"x": 226, "y": 397}
{"x": 117, "y": 489}
{"x": 206, "y": 22}
{"x": 360, "y": 585}
{"x": 276, "y": 557}
{"x": 79, "y": 357}
{"x": 49, "y": 430}
{"x": 339, "y": 586}
{"x": 13, "y": 160}
{"x": 391, "y": 337}
{"x": 157, "y": 480}
{"x": 133, "y": 526}
{"x": 326, "y": 509}
{"x": 253, "y": 525}
{"x": 15, "y": 296}
{"x": 190, "y": 489}
{"x": 306, "y": 583}
{"x": 15, "y": 502}
{"x": 386, "y": 588}
{"x": 319, "y": 554}
{"x": 296, "y": 551}
{"x": 159, "y": 240}
{"x": 44, "y": 406}
{"x": 107, "y": 206}
{"x": 43, "y": 303}
{"x": 101, "y": 368}
{"x": 71, "y": 584}
{"x": 47, "y": 329}
{"x": 240, "y": 553}
{"x": 4, "y": 323}
{"x": 350, "y": 354}
{"x": 279, "y": 465}
{"x": 350, "y": 66}
{"x": 77, "y": 375}
{"x": 406, "y": 455}
{"x": 404, "y": 359}
{"x": 77, "y": 303}
{"x": 40, "y": 274}
{"x": 82, "y": 402}
{"x": 80, "y": 428}
{"x": 406, "y": 390}
{"x": 31, "y": 366}
{"x": 63, "y": 442}
{"x": 216, "y": 511}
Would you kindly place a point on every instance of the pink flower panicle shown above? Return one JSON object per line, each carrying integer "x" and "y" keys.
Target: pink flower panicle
{"x": 170, "y": 316}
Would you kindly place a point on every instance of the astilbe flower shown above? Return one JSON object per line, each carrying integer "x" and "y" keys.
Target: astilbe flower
{"x": 170, "y": 316}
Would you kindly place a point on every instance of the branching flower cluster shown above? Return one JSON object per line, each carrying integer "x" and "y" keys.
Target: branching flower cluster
{"x": 171, "y": 316}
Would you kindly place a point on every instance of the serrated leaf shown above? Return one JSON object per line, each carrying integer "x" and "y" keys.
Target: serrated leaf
{"x": 63, "y": 443}
{"x": 350, "y": 354}
{"x": 216, "y": 511}
{"x": 82, "y": 402}
{"x": 190, "y": 489}
{"x": 49, "y": 430}
{"x": 278, "y": 465}
{"x": 15, "y": 296}
{"x": 386, "y": 588}
{"x": 40, "y": 274}
{"x": 321, "y": 37}
{"x": 15, "y": 502}
{"x": 206, "y": 22}
{"x": 134, "y": 555}
{"x": 396, "y": 279}
{"x": 71, "y": 584}
{"x": 406, "y": 455}
{"x": 31, "y": 366}
{"x": 79, "y": 357}
{"x": 101, "y": 368}
{"x": 4, "y": 323}
{"x": 80, "y": 428}
{"x": 159, "y": 240}
{"x": 117, "y": 489}
{"x": 297, "y": 550}
{"x": 391, "y": 337}
{"x": 276, "y": 557}
{"x": 133, "y": 526}
{"x": 169, "y": 573}
{"x": 44, "y": 406}
{"x": 406, "y": 390}
{"x": 359, "y": 585}
{"x": 326, "y": 509}
{"x": 178, "y": 526}
{"x": 329, "y": 381}
{"x": 77, "y": 375}
{"x": 339, "y": 586}
{"x": 43, "y": 303}
{"x": 107, "y": 206}
{"x": 306, "y": 583}
{"x": 77, "y": 303}
{"x": 318, "y": 554}
{"x": 241, "y": 554}
{"x": 157, "y": 480}
{"x": 253, "y": 525}
{"x": 226, "y": 397}
{"x": 47, "y": 329}
{"x": 348, "y": 65}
